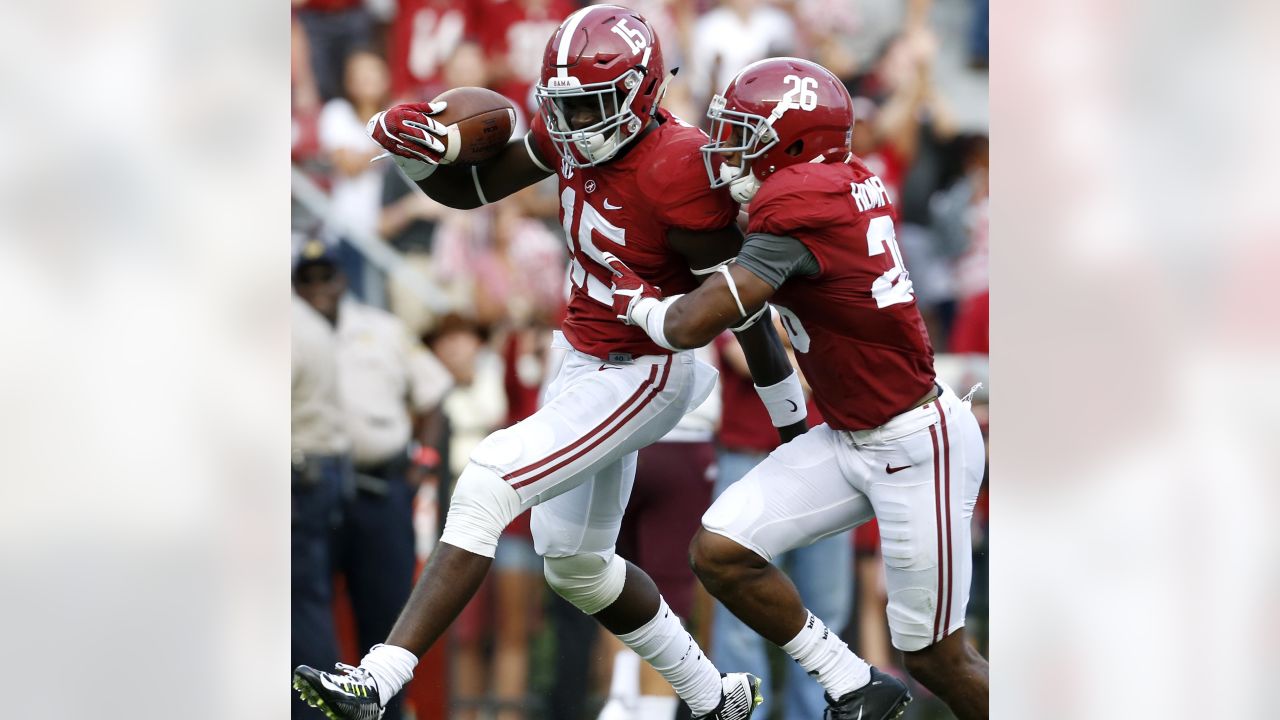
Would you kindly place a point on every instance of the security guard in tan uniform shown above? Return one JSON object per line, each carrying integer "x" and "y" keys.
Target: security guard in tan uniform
{"x": 390, "y": 388}
{"x": 321, "y": 473}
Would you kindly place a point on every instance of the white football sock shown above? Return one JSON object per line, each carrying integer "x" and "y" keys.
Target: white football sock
{"x": 391, "y": 666}
{"x": 673, "y": 652}
{"x": 822, "y": 653}
{"x": 657, "y": 707}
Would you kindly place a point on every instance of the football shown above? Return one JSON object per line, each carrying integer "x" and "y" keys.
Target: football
{"x": 483, "y": 119}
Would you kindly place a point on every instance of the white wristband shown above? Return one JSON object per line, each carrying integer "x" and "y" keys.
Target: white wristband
{"x": 415, "y": 170}
{"x": 784, "y": 401}
{"x": 651, "y": 315}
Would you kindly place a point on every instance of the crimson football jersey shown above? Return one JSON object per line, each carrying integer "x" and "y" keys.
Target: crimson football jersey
{"x": 626, "y": 206}
{"x": 857, "y": 332}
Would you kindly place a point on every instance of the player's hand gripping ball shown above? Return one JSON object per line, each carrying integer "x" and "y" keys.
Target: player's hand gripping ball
{"x": 628, "y": 288}
{"x": 463, "y": 126}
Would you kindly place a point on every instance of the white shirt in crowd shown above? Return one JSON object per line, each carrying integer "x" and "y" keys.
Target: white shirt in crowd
{"x": 723, "y": 35}
{"x": 475, "y": 410}
{"x": 356, "y": 200}
{"x": 316, "y": 424}
{"x": 386, "y": 375}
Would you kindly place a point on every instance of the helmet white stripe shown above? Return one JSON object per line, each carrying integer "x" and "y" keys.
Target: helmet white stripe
{"x": 566, "y": 39}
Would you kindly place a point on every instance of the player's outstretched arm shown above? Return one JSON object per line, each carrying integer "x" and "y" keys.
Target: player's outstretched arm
{"x": 469, "y": 187}
{"x": 732, "y": 298}
{"x": 420, "y": 146}
{"x": 728, "y": 299}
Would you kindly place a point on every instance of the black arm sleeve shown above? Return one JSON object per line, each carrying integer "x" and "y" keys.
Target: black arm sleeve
{"x": 774, "y": 258}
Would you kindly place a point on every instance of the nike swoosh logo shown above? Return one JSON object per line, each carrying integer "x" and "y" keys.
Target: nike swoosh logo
{"x": 609, "y": 367}
{"x": 607, "y": 206}
{"x": 794, "y": 407}
{"x": 892, "y": 470}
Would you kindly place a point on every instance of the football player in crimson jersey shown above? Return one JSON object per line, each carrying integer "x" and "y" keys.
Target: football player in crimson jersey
{"x": 897, "y": 445}
{"x": 632, "y": 184}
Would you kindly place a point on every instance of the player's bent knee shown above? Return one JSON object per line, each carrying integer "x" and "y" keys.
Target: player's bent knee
{"x": 482, "y": 505}
{"x": 717, "y": 560}
{"x": 935, "y": 663}
{"x": 923, "y": 666}
{"x": 589, "y": 581}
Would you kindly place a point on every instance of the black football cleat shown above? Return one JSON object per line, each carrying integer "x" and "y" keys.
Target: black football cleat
{"x": 884, "y": 698}
{"x": 349, "y": 695}
{"x": 739, "y": 696}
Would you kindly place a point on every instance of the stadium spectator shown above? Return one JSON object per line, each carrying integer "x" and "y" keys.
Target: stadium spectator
{"x": 962, "y": 216}
{"x": 886, "y": 133}
{"x": 304, "y": 96}
{"x": 321, "y": 467}
{"x": 357, "y": 183}
{"x": 822, "y": 572}
{"x": 335, "y": 29}
{"x": 475, "y": 407}
{"x": 409, "y": 219}
{"x": 390, "y": 388}
{"x": 514, "y": 35}
{"x": 509, "y": 607}
{"x": 425, "y": 35}
{"x": 500, "y": 263}
{"x": 730, "y": 37}
{"x": 899, "y": 137}
{"x": 408, "y": 222}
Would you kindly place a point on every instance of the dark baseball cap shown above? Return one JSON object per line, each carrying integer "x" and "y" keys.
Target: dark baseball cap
{"x": 314, "y": 252}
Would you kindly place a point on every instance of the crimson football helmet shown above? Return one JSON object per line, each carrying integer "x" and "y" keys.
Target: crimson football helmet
{"x": 604, "y": 62}
{"x": 775, "y": 113}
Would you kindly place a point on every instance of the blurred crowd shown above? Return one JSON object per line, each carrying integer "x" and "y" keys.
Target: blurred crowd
{"x": 447, "y": 314}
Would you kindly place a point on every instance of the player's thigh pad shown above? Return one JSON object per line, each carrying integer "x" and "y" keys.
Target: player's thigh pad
{"x": 482, "y": 505}
{"x": 590, "y": 581}
{"x": 796, "y": 496}
{"x": 598, "y": 413}
{"x": 588, "y": 517}
{"x": 924, "y": 512}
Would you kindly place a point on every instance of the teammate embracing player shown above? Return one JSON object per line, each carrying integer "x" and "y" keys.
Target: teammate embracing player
{"x": 897, "y": 444}
{"x": 632, "y": 184}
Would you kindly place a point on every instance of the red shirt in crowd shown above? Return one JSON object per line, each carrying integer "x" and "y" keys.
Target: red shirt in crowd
{"x": 424, "y": 36}
{"x": 514, "y": 35}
